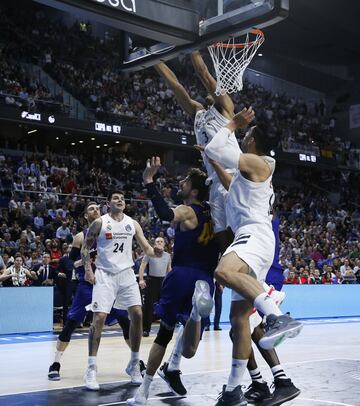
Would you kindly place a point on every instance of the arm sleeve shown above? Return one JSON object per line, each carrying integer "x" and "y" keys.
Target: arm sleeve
{"x": 221, "y": 149}
{"x": 162, "y": 209}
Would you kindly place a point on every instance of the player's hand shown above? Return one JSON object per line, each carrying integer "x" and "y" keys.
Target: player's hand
{"x": 244, "y": 117}
{"x": 142, "y": 284}
{"x": 199, "y": 147}
{"x": 152, "y": 166}
{"x": 90, "y": 277}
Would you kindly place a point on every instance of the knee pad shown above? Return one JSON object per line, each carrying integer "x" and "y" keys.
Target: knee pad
{"x": 65, "y": 335}
{"x": 164, "y": 336}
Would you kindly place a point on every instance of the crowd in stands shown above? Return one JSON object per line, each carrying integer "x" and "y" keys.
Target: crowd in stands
{"x": 88, "y": 67}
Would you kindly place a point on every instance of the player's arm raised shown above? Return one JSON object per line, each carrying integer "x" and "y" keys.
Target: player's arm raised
{"x": 224, "y": 177}
{"x": 182, "y": 96}
{"x": 91, "y": 236}
{"x": 209, "y": 83}
{"x": 143, "y": 242}
{"x": 182, "y": 213}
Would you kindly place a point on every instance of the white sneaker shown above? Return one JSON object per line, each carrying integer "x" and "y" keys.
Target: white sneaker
{"x": 202, "y": 298}
{"x": 133, "y": 370}
{"x": 90, "y": 379}
{"x": 140, "y": 399}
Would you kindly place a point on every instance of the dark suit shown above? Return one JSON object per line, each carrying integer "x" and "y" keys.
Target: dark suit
{"x": 64, "y": 285}
{"x": 44, "y": 272}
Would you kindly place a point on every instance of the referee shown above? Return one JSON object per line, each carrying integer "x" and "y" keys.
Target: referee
{"x": 158, "y": 268}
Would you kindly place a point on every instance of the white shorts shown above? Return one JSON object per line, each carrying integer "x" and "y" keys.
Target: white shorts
{"x": 217, "y": 205}
{"x": 119, "y": 290}
{"x": 255, "y": 245}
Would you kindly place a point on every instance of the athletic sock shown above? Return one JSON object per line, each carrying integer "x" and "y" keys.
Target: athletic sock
{"x": 238, "y": 367}
{"x": 145, "y": 386}
{"x": 278, "y": 372}
{"x": 256, "y": 375}
{"x": 134, "y": 357}
{"x": 92, "y": 361}
{"x": 175, "y": 357}
{"x": 266, "y": 305}
{"x": 58, "y": 355}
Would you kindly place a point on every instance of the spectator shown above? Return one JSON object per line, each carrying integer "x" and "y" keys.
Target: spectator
{"x": 17, "y": 275}
{"x": 63, "y": 232}
{"x": 45, "y": 272}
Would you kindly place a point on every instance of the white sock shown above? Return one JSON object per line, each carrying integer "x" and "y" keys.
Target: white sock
{"x": 92, "y": 361}
{"x": 278, "y": 372}
{"x": 256, "y": 375}
{"x": 135, "y": 357}
{"x": 266, "y": 305}
{"x": 58, "y": 355}
{"x": 194, "y": 315}
{"x": 238, "y": 367}
{"x": 145, "y": 386}
{"x": 175, "y": 357}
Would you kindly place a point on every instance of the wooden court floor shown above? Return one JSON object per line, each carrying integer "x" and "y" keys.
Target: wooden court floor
{"x": 324, "y": 362}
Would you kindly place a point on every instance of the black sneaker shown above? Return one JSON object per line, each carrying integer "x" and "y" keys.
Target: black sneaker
{"x": 54, "y": 372}
{"x": 233, "y": 398}
{"x": 172, "y": 378}
{"x": 278, "y": 328}
{"x": 217, "y": 328}
{"x": 146, "y": 333}
{"x": 284, "y": 391}
{"x": 142, "y": 368}
{"x": 257, "y": 392}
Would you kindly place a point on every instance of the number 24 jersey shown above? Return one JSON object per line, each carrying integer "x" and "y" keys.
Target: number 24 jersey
{"x": 114, "y": 244}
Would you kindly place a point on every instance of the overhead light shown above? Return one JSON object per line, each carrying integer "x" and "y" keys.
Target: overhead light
{"x": 257, "y": 74}
{"x": 98, "y": 146}
{"x": 73, "y": 143}
{"x": 57, "y": 138}
{"x": 260, "y": 54}
{"x": 105, "y": 145}
{"x": 92, "y": 139}
{"x": 272, "y": 152}
{"x": 81, "y": 142}
{"x": 117, "y": 142}
{"x": 32, "y": 131}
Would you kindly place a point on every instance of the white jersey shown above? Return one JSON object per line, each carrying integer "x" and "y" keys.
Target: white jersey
{"x": 114, "y": 244}
{"x": 248, "y": 202}
{"x": 206, "y": 124}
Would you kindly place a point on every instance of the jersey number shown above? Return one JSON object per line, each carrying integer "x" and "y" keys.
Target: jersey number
{"x": 206, "y": 137}
{"x": 118, "y": 247}
{"x": 271, "y": 204}
{"x": 206, "y": 235}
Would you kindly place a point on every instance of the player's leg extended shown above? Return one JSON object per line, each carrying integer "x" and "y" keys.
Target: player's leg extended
{"x": 234, "y": 273}
{"x": 232, "y": 393}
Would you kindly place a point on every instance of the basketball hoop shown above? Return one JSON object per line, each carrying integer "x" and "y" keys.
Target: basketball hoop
{"x": 231, "y": 59}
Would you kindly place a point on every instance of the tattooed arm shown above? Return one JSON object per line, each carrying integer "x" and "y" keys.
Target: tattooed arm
{"x": 91, "y": 235}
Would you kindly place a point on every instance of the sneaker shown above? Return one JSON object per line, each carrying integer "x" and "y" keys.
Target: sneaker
{"x": 233, "y": 398}
{"x": 202, "y": 299}
{"x": 284, "y": 391}
{"x": 257, "y": 392}
{"x": 217, "y": 328}
{"x": 172, "y": 378}
{"x": 277, "y": 296}
{"x": 90, "y": 379}
{"x": 54, "y": 372}
{"x": 207, "y": 328}
{"x": 146, "y": 333}
{"x": 142, "y": 368}
{"x": 133, "y": 370}
{"x": 140, "y": 399}
{"x": 278, "y": 328}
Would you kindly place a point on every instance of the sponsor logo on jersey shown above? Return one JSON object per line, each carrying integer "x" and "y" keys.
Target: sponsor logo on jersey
{"x": 95, "y": 305}
{"x": 108, "y": 226}
{"x": 128, "y": 227}
{"x": 108, "y": 236}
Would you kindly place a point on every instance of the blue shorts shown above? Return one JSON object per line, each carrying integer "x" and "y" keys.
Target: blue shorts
{"x": 275, "y": 278}
{"x": 175, "y": 302}
{"x": 83, "y": 298}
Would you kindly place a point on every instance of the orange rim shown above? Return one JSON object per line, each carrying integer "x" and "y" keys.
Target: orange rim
{"x": 254, "y": 31}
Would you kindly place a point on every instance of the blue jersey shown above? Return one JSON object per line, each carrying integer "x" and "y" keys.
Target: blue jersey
{"x": 275, "y": 273}
{"x": 80, "y": 271}
{"x": 197, "y": 248}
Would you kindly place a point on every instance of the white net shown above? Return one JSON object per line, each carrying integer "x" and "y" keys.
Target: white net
{"x": 231, "y": 59}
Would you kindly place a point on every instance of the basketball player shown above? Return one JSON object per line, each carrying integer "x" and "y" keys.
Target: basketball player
{"x": 188, "y": 288}
{"x": 82, "y": 298}
{"x": 247, "y": 260}
{"x": 259, "y": 391}
{"x": 207, "y": 122}
{"x": 114, "y": 282}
